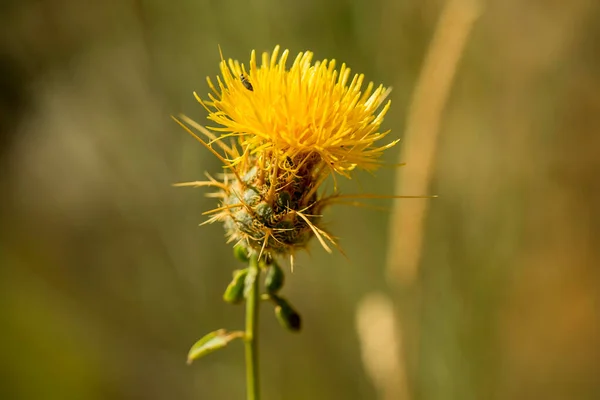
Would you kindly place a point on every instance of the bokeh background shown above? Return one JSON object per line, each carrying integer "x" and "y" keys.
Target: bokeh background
{"x": 106, "y": 279}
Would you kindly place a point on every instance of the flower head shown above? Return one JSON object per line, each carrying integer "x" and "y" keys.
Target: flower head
{"x": 299, "y": 111}
{"x": 288, "y": 129}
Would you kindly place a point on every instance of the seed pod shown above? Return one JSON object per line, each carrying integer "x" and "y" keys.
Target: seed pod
{"x": 235, "y": 290}
{"x": 241, "y": 253}
{"x": 286, "y": 315}
{"x": 274, "y": 279}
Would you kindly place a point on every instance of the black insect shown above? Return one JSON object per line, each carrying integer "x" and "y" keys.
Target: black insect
{"x": 246, "y": 83}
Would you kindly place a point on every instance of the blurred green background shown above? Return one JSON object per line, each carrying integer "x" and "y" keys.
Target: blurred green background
{"x": 106, "y": 279}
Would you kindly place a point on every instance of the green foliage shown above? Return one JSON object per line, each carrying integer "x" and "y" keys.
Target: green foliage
{"x": 211, "y": 342}
{"x": 234, "y": 293}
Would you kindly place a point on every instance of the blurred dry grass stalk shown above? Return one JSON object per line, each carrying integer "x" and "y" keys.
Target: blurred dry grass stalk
{"x": 380, "y": 337}
{"x": 421, "y": 135}
{"x": 386, "y": 363}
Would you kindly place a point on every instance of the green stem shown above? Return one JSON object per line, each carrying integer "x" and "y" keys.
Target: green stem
{"x": 251, "y": 343}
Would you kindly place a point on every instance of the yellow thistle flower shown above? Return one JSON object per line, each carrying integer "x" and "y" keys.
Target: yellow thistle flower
{"x": 297, "y": 112}
{"x": 288, "y": 129}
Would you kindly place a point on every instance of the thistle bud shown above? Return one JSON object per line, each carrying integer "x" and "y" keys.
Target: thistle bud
{"x": 241, "y": 253}
{"x": 274, "y": 279}
{"x": 286, "y": 315}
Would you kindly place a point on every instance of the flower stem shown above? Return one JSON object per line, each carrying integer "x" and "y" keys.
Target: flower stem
{"x": 251, "y": 343}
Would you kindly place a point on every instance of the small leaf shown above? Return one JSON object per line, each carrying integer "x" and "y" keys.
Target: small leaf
{"x": 211, "y": 342}
{"x": 235, "y": 290}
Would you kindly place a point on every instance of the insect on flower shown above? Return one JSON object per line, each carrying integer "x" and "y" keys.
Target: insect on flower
{"x": 308, "y": 122}
{"x": 246, "y": 82}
